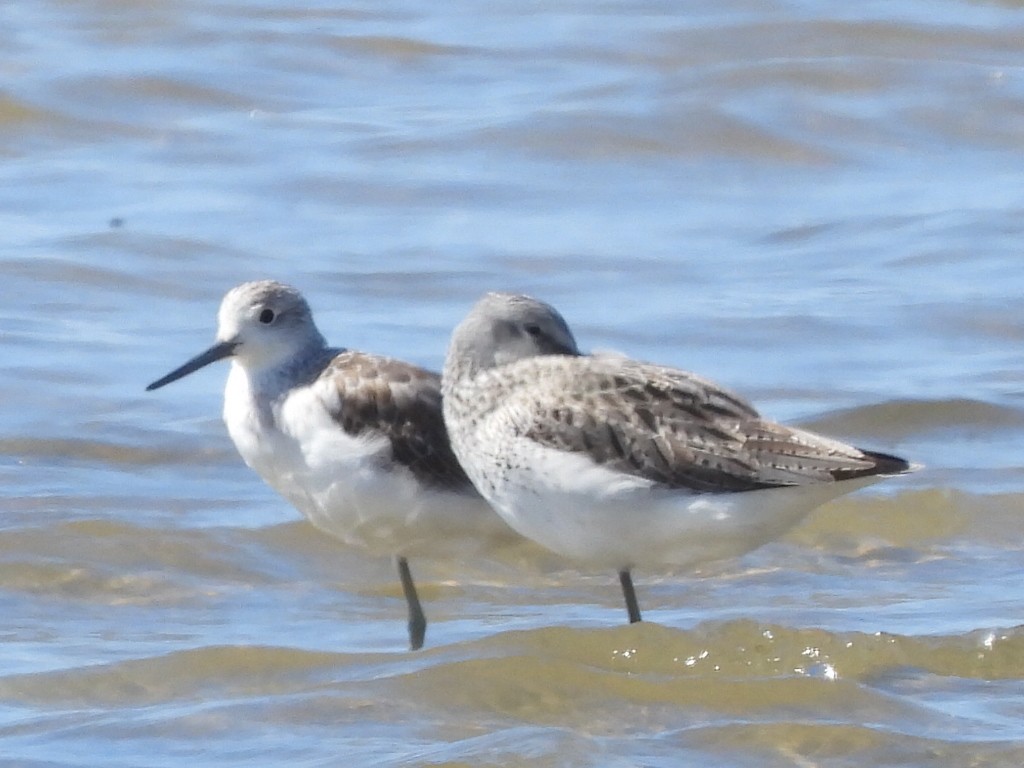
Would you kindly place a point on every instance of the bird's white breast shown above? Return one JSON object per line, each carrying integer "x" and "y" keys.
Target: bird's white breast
{"x": 605, "y": 517}
{"x": 347, "y": 485}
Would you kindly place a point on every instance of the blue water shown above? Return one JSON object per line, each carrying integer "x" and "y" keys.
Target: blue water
{"x": 817, "y": 205}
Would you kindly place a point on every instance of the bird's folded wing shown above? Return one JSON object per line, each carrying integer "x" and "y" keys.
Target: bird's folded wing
{"x": 382, "y": 396}
{"x": 676, "y": 429}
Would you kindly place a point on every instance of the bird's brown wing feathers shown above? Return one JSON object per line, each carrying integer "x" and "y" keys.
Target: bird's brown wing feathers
{"x": 402, "y": 402}
{"x": 680, "y": 431}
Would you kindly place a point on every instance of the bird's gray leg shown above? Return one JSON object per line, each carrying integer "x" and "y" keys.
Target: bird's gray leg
{"x": 417, "y": 620}
{"x": 632, "y": 607}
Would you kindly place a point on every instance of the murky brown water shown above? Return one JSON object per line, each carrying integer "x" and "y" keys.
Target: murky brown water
{"x": 817, "y": 205}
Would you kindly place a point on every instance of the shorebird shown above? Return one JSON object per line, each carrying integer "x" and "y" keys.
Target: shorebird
{"x": 355, "y": 441}
{"x": 618, "y": 463}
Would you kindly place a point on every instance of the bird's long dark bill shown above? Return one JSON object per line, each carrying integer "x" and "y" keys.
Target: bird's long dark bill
{"x": 217, "y": 352}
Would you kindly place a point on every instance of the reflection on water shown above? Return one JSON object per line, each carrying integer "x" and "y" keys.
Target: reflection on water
{"x": 818, "y": 207}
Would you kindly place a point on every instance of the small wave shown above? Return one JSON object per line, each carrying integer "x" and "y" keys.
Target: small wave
{"x": 899, "y": 419}
{"x": 916, "y": 519}
{"x": 186, "y": 674}
{"x": 107, "y": 452}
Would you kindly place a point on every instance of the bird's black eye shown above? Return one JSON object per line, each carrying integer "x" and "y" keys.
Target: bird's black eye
{"x": 267, "y": 316}
{"x": 533, "y": 329}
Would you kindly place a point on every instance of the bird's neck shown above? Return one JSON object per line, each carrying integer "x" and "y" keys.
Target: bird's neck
{"x": 268, "y": 381}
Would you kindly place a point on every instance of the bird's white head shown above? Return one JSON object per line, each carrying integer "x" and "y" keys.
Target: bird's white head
{"x": 503, "y": 328}
{"x": 269, "y": 323}
{"x": 262, "y": 325}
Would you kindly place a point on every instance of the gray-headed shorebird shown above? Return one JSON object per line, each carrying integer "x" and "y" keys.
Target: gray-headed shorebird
{"x": 355, "y": 441}
{"x": 617, "y": 463}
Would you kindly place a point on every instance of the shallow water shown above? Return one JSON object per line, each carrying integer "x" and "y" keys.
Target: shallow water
{"x": 817, "y": 205}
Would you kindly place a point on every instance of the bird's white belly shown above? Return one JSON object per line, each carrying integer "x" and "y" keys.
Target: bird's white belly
{"x": 349, "y": 487}
{"x": 605, "y": 518}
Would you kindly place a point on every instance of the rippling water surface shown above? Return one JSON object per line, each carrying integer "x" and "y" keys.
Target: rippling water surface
{"x": 818, "y": 205}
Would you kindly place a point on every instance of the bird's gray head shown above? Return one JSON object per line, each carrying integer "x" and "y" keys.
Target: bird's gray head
{"x": 261, "y": 325}
{"x": 268, "y": 321}
{"x": 502, "y": 328}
